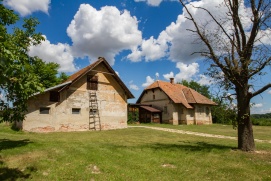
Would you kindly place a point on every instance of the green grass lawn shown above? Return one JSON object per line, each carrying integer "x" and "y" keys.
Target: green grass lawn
{"x": 130, "y": 154}
{"x": 260, "y": 132}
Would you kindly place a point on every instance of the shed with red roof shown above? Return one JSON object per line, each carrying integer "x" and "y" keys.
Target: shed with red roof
{"x": 178, "y": 103}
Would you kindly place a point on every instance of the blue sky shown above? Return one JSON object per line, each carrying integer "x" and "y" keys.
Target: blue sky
{"x": 143, "y": 40}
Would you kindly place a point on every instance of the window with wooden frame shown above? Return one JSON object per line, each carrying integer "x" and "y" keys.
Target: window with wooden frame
{"x": 92, "y": 82}
{"x": 54, "y": 96}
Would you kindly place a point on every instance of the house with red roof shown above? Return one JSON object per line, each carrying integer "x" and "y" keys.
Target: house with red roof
{"x": 94, "y": 98}
{"x": 173, "y": 103}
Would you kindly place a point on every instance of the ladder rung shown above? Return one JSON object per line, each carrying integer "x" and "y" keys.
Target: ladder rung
{"x": 93, "y": 116}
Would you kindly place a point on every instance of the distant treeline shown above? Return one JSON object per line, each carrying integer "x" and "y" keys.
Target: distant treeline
{"x": 261, "y": 119}
{"x": 257, "y": 116}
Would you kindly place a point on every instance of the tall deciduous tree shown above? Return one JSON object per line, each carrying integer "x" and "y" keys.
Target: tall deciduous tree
{"x": 47, "y": 73}
{"x": 235, "y": 47}
{"x": 16, "y": 83}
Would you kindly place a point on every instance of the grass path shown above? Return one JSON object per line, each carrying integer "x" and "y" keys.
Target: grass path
{"x": 197, "y": 133}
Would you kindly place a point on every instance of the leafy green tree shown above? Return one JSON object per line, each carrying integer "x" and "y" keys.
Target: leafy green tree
{"x": 47, "y": 73}
{"x": 202, "y": 89}
{"x": 224, "y": 113}
{"x": 235, "y": 46}
{"x": 62, "y": 77}
{"x": 16, "y": 83}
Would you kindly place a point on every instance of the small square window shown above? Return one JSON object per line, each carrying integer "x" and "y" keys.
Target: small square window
{"x": 44, "y": 110}
{"x": 76, "y": 110}
{"x": 54, "y": 96}
{"x": 92, "y": 82}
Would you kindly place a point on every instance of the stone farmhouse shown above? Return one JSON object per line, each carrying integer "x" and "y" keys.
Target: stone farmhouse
{"x": 167, "y": 102}
{"x": 94, "y": 98}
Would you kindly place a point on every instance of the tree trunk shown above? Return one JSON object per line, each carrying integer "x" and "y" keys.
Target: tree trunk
{"x": 245, "y": 131}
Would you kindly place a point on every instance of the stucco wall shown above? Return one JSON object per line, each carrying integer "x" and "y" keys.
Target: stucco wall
{"x": 112, "y": 105}
{"x": 202, "y": 115}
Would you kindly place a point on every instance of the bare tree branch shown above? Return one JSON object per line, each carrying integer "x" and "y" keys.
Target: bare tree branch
{"x": 261, "y": 90}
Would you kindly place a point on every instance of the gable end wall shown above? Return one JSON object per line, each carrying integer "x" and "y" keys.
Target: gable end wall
{"x": 112, "y": 104}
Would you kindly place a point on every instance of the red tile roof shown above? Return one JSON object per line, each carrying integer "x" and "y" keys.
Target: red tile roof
{"x": 150, "y": 109}
{"x": 180, "y": 94}
{"x": 83, "y": 71}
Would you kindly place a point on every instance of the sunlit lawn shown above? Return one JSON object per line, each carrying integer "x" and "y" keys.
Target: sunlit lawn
{"x": 260, "y": 132}
{"x": 128, "y": 154}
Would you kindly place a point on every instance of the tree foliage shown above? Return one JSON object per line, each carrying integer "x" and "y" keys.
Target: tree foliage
{"x": 202, "y": 89}
{"x": 16, "y": 83}
{"x": 233, "y": 43}
{"x": 47, "y": 73}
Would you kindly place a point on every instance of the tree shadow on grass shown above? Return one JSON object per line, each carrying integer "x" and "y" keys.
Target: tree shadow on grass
{"x": 7, "y": 173}
{"x": 12, "y": 174}
{"x": 181, "y": 146}
{"x": 8, "y": 144}
{"x": 191, "y": 146}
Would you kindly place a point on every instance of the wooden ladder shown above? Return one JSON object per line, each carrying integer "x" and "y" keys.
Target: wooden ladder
{"x": 94, "y": 116}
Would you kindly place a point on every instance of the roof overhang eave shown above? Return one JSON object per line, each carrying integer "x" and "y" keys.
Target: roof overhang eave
{"x": 53, "y": 88}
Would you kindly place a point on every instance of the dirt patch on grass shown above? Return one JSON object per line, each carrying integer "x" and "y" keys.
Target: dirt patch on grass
{"x": 93, "y": 169}
{"x": 198, "y": 134}
{"x": 167, "y": 165}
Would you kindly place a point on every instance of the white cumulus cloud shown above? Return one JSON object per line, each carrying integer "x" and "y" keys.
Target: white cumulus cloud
{"x": 58, "y": 53}
{"x": 204, "y": 80}
{"x": 134, "y": 87}
{"x": 179, "y": 45}
{"x": 151, "y": 49}
{"x": 187, "y": 71}
{"x": 27, "y": 7}
{"x": 151, "y": 2}
{"x": 104, "y": 32}
{"x": 168, "y": 76}
{"x": 148, "y": 82}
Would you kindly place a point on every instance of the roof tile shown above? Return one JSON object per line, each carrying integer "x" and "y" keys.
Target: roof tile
{"x": 179, "y": 93}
